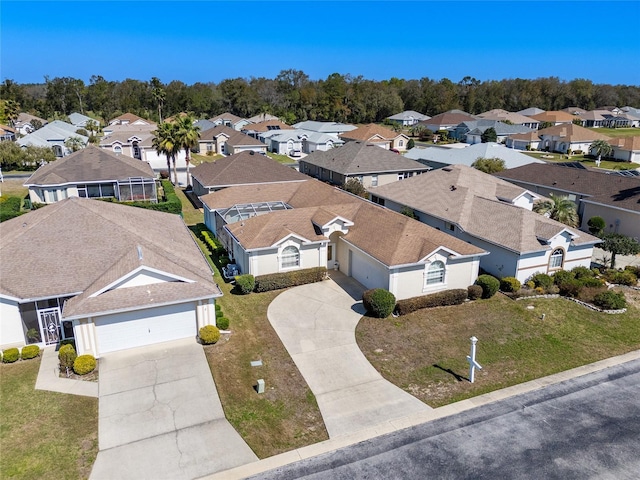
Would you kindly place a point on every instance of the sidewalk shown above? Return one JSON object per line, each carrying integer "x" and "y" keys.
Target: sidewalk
{"x": 48, "y": 378}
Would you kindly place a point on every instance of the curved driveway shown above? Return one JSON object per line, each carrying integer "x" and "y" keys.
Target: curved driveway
{"x": 316, "y": 324}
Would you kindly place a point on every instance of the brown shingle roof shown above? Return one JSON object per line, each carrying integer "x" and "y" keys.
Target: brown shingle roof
{"x": 448, "y": 118}
{"x": 234, "y": 137}
{"x": 553, "y": 117}
{"x": 572, "y": 133}
{"x": 130, "y": 117}
{"x": 85, "y": 239}
{"x": 264, "y": 126}
{"x": 369, "y": 132}
{"x": 91, "y": 164}
{"x": 626, "y": 143}
{"x": 242, "y": 169}
{"x": 608, "y": 189}
{"x": 226, "y": 116}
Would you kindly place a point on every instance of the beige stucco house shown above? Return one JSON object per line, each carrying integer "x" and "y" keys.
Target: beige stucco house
{"x": 378, "y": 135}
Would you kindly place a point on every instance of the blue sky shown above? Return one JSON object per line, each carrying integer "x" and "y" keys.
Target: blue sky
{"x": 202, "y": 41}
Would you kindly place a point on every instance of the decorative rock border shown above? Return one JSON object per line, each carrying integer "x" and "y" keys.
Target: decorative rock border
{"x": 579, "y": 302}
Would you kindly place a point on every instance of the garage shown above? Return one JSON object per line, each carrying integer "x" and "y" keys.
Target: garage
{"x": 367, "y": 271}
{"x": 145, "y": 327}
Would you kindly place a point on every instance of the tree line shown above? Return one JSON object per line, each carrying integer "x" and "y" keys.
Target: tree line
{"x": 294, "y": 97}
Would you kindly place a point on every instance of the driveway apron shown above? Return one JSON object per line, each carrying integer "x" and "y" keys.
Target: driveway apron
{"x": 316, "y": 324}
{"x": 160, "y": 416}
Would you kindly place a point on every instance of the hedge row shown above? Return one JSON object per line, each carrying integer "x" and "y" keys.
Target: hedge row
{"x": 276, "y": 281}
{"x": 439, "y": 299}
{"x": 10, "y": 208}
{"x": 27, "y": 352}
{"x": 172, "y": 203}
{"x": 212, "y": 242}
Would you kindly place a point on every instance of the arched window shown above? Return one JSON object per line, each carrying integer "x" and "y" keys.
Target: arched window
{"x": 117, "y": 149}
{"x": 435, "y": 273}
{"x": 290, "y": 257}
{"x": 557, "y": 258}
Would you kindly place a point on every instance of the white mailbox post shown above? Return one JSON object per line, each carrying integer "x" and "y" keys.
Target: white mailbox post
{"x": 472, "y": 360}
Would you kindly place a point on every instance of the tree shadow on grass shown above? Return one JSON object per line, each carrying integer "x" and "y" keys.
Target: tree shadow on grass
{"x": 458, "y": 378}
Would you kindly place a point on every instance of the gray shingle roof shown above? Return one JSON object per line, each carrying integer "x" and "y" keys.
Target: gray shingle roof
{"x": 91, "y": 164}
{"x": 234, "y": 137}
{"x": 356, "y": 158}
{"x": 468, "y": 155}
{"x": 88, "y": 244}
{"x": 409, "y": 115}
{"x": 324, "y": 127}
{"x": 56, "y": 131}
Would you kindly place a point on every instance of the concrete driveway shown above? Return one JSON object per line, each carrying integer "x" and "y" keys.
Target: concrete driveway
{"x": 316, "y": 324}
{"x": 160, "y": 416}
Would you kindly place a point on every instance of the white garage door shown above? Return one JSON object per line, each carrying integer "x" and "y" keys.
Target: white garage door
{"x": 365, "y": 271}
{"x": 145, "y": 327}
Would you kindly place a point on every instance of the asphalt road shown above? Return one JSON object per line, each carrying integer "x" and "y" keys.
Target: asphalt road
{"x": 584, "y": 428}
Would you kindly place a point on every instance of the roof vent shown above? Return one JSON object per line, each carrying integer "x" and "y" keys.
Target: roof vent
{"x": 453, "y": 187}
{"x": 139, "y": 253}
{"x": 251, "y": 152}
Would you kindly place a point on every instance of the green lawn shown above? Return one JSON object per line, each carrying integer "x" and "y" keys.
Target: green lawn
{"x": 44, "y": 435}
{"x": 618, "y": 132}
{"x": 425, "y": 352}
{"x": 197, "y": 159}
{"x": 281, "y": 158}
{"x": 590, "y": 162}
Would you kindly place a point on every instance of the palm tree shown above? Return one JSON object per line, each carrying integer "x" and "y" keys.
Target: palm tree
{"x": 12, "y": 110}
{"x": 158, "y": 94}
{"x": 601, "y": 148}
{"x": 560, "y": 209}
{"x": 74, "y": 143}
{"x": 188, "y": 135}
{"x": 165, "y": 143}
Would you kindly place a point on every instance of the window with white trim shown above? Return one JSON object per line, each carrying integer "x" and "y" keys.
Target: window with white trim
{"x": 435, "y": 273}
{"x": 374, "y": 180}
{"x": 557, "y": 258}
{"x": 290, "y": 257}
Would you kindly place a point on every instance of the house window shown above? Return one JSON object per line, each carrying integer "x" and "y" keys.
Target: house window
{"x": 401, "y": 143}
{"x": 374, "y": 180}
{"x": 117, "y": 149}
{"x": 290, "y": 257}
{"x": 556, "y": 259}
{"x": 435, "y": 273}
{"x": 209, "y": 147}
{"x": 449, "y": 226}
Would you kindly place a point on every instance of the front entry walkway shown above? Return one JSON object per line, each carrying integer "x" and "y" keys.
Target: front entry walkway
{"x": 316, "y": 324}
{"x": 160, "y": 416}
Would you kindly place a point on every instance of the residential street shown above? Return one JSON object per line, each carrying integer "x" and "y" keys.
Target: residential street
{"x": 587, "y": 427}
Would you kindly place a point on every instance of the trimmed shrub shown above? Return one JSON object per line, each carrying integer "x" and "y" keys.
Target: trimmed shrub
{"x": 10, "y": 208}
{"x": 621, "y": 277}
{"x": 570, "y": 288}
{"x": 510, "y": 284}
{"x": 474, "y": 292}
{"x": 542, "y": 280}
{"x": 219, "y": 314}
{"x": 633, "y": 269}
{"x": 67, "y": 355}
{"x": 222, "y": 323}
{"x": 10, "y": 355}
{"x": 588, "y": 294}
{"x": 582, "y": 272}
{"x": 591, "y": 282}
{"x": 84, "y": 364}
{"x": 30, "y": 351}
{"x": 209, "y": 334}
{"x": 379, "y": 302}
{"x": 596, "y": 225}
{"x": 610, "y": 300}
{"x": 489, "y": 284}
{"x": 439, "y": 299}
{"x": 562, "y": 276}
{"x": 245, "y": 283}
{"x": 218, "y": 307}
{"x": 276, "y": 281}
{"x": 68, "y": 341}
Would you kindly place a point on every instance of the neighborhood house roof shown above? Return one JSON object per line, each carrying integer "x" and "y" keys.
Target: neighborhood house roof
{"x": 499, "y": 114}
{"x": 91, "y": 164}
{"x": 356, "y": 158}
{"x": 477, "y": 127}
{"x": 56, "y": 131}
{"x": 466, "y": 156}
{"x": 234, "y": 137}
{"x": 409, "y": 115}
{"x": 480, "y": 205}
{"x": 600, "y": 187}
{"x": 230, "y": 117}
{"x": 553, "y": 117}
{"x": 244, "y": 168}
{"x": 448, "y": 119}
{"x": 371, "y": 132}
{"x": 626, "y": 143}
{"x": 129, "y": 118}
{"x": 572, "y": 133}
{"x": 89, "y": 245}
{"x": 267, "y": 125}
{"x": 324, "y": 127}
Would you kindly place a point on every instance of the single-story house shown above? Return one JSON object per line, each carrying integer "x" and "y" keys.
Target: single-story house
{"x": 447, "y": 120}
{"x": 554, "y": 117}
{"x": 280, "y": 228}
{"x": 23, "y": 123}
{"x": 471, "y": 131}
{"x": 93, "y": 173}
{"x": 493, "y": 215}
{"x": 626, "y": 148}
{"x": 131, "y": 120}
{"x": 316, "y": 141}
{"x": 283, "y": 142}
{"x": 330, "y": 128}
{"x": 612, "y": 196}
{"x": 565, "y": 137}
{"x": 591, "y": 119}
{"x": 230, "y": 120}
{"x": 7, "y": 134}
{"x": 129, "y": 128}
{"x": 435, "y": 157}
{"x": 79, "y": 120}
{"x": 262, "y": 117}
{"x": 377, "y": 135}
{"x": 255, "y": 130}
{"x": 112, "y": 277}
{"x": 363, "y": 161}
{"x": 408, "y": 118}
{"x": 524, "y": 141}
{"x": 53, "y": 135}
{"x": 529, "y": 112}
{"x": 245, "y": 168}
{"x": 227, "y": 141}
{"x": 510, "y": 117}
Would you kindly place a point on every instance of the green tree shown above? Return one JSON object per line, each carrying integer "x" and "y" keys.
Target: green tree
{"x": 158, "y": 94}
{"x": 354, "y": 186}
{"x": 74, "y": 143}
{"x": 596, "y": 226}
{"x": 489, "y": 135}
{"x": 11, "y": 111}
{"x": 166, "y": 143}
{"x": 408, "y": 212}
{"x": 411, "y": 143}
{"x": 601, "y": 148}
{"x": 558, "y": 208}
{"x": 187, "y": 136}
{"x": 618, "y": 244}
{"x": 489, "y": 165}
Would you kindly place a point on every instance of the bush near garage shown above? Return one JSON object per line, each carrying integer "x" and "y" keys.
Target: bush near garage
{"x": 67, "y": 355}
{"x": 30, "y": 351}
{"x": 10, "y": 355}
{"x": 209, "y": 334}
{"x": 438, "y": 299}
{"x": 245, "y": 283}
{"x": 84, "y": 364}
{"x": 474, "y": 292}
{"x": 489, "y": 284}
{"x": 276, "y": 281}
{"x": 222, "y": 323}
{"x": 542, "y": 280}
{"x": 379, "y": 302}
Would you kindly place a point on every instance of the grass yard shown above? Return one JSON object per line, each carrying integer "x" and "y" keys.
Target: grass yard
{"x": 425, "y": 352}
{"x": 588, "y": 161}
{"x": 286, "y": 416}
{"x": 12, "y": 187}
{"x": 197, "y": 159}
{"x": 44, "y": 435}
{"x": 617, "y": 132}
{"x": 284, "y": 159}
{"x": 190, "y": 214}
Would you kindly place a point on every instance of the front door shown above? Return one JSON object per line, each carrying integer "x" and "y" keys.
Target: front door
{"x": 50, "y": 325}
